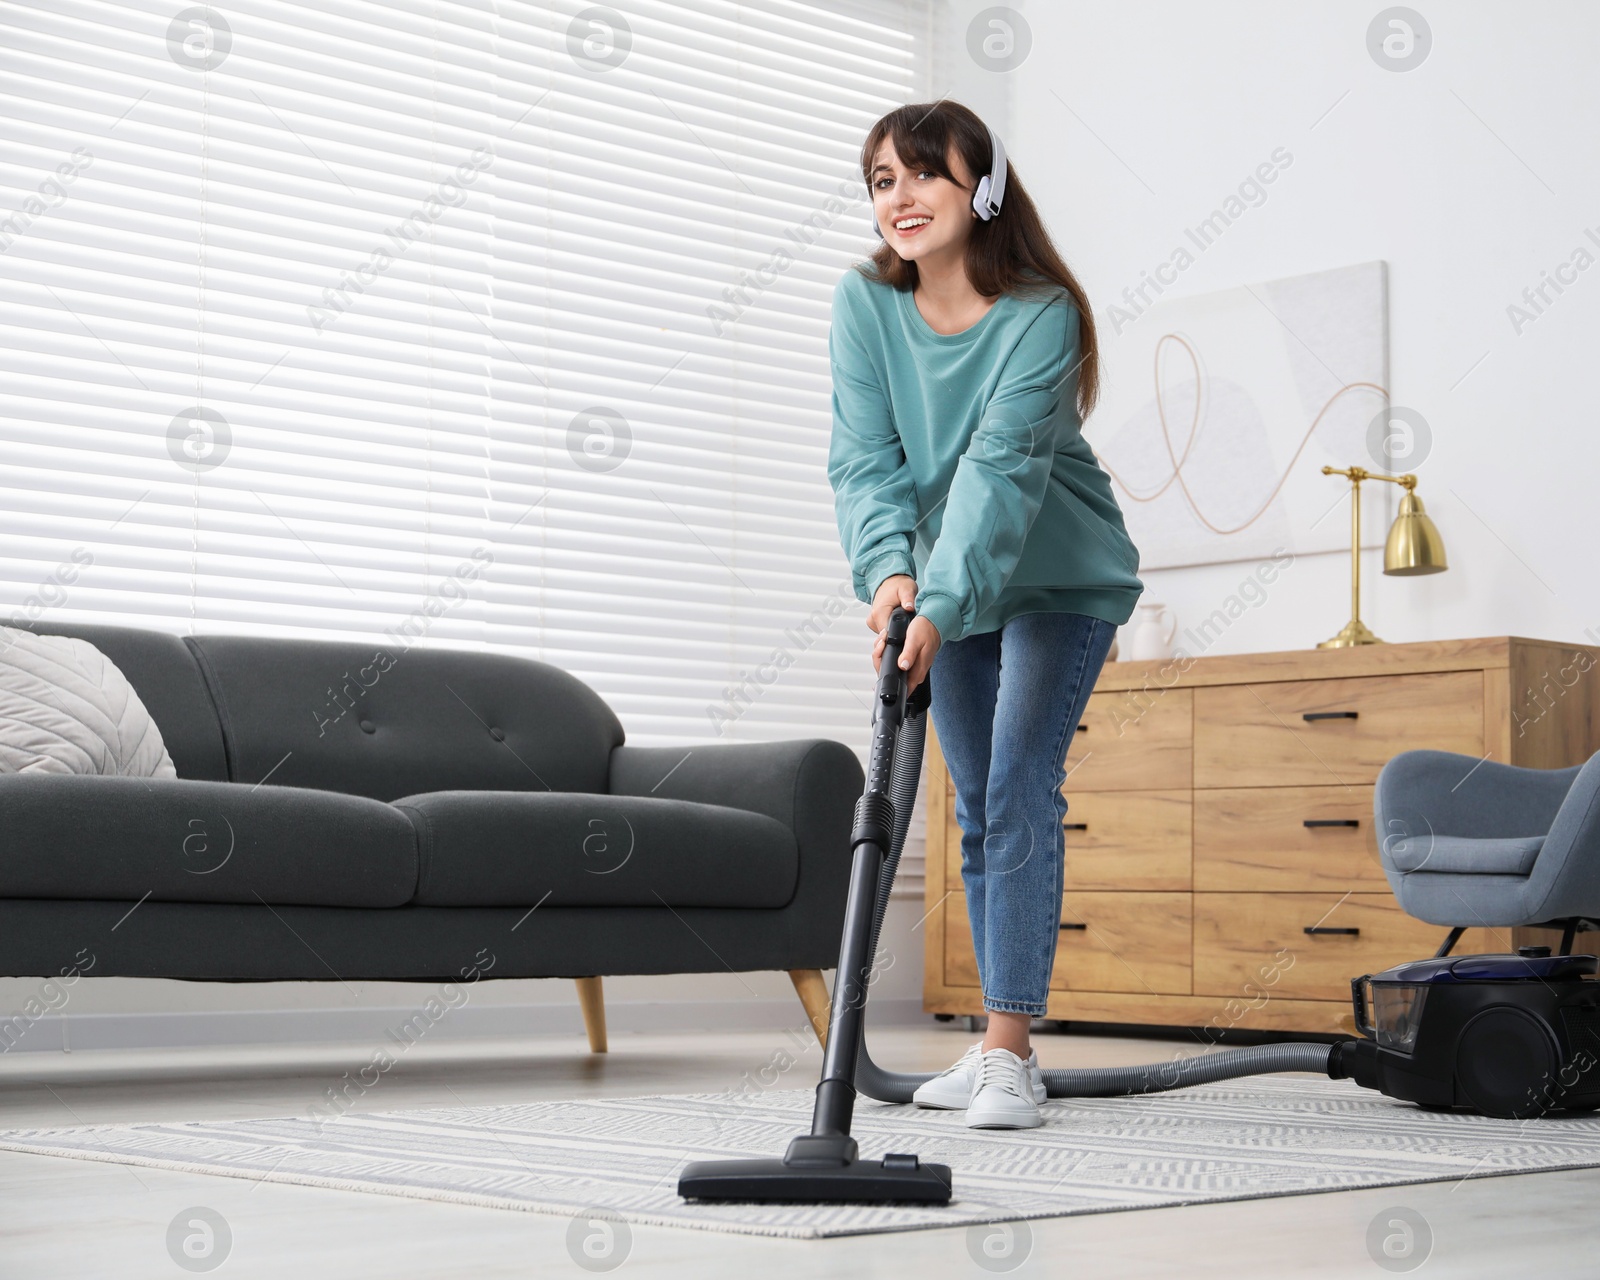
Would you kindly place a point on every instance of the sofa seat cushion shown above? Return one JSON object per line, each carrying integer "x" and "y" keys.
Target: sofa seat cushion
{"x": 188, "y": 840}
{"x": 1464, "y": 855}
{"x": 567, "y": 849}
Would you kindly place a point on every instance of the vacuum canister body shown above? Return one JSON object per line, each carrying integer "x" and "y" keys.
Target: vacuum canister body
{"x": 1505, "y": 1035}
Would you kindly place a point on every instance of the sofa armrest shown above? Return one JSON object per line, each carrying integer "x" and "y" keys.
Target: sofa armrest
{"x": 799, "y": 782}
{"x": 811, "y": 785}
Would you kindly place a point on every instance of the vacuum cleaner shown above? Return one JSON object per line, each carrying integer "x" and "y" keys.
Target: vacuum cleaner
{"x": 1505, "y": 1035}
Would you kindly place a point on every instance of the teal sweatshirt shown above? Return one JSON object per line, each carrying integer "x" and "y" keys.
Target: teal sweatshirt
{"x": 960, "y": 459}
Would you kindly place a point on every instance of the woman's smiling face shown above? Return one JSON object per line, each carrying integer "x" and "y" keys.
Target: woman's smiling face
{"x": 940, "y": 211}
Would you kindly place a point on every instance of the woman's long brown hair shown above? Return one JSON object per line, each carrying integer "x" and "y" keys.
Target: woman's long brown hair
{"x": 1010, "y": 253}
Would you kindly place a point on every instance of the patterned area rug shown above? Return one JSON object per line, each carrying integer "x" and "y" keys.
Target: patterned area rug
{"x": 1267, "y": 1136}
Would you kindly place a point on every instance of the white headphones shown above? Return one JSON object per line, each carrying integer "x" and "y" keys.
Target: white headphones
{"x": 991, "y": 187}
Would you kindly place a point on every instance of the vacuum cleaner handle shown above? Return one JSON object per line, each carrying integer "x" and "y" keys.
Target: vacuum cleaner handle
{"x": 899, "y": 623}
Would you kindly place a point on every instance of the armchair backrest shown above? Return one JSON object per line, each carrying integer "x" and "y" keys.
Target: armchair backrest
{"x": 1567, "y": 881}
{"x": 1443, "y": 793}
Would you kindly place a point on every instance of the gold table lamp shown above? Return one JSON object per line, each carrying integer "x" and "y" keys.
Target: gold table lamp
{"x": 1413, "y": 546}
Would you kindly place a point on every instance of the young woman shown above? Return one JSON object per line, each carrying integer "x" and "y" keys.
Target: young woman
{"x": 964, "y": 363}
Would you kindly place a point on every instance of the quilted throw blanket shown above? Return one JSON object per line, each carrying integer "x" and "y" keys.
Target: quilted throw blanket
{"x": 66, "y": 708}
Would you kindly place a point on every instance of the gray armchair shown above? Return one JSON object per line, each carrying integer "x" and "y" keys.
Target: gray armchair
{"x": 1468, "y": 842}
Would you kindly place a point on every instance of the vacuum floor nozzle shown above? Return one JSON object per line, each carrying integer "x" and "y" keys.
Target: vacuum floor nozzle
{"x": 817, "y": 1168}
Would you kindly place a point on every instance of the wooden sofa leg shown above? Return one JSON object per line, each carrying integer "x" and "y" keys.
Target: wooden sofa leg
{"x": 813, "y": 993}
{"x": 591, "y": 998}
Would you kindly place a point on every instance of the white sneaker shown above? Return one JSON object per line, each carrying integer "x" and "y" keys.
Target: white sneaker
{"x": 951, "y": 1089}
{"x": 1001, "y": 1096}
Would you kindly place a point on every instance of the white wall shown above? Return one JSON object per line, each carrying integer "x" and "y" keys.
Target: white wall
{"x": 1470, "y": 176}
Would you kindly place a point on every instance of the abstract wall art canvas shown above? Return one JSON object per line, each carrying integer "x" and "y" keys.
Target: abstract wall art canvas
{"x": 1219, "y": 410}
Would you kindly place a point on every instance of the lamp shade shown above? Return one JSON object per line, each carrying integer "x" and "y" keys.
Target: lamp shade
{"x": 1414, "y": 545}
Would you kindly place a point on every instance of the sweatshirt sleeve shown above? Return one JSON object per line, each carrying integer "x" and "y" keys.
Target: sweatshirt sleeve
{"x": 1001, "y": 479}
{"x": 875, "y": 499}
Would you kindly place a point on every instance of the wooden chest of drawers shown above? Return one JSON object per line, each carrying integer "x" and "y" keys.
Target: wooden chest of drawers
{"x": 1221, "y": 866}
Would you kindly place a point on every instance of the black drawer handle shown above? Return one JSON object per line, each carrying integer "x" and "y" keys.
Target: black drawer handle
{"x": 1068, "y": 924}
{"x": 1333, "y": 822}
{"x": 1083, "y": 728}
{"x": 1074, "y": 826}
{"x": 1329, "y": 715}
{"x": 1315, "y": 929}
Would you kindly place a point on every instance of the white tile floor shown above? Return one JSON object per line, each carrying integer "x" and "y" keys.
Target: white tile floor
{"x": 70, "y": 1218}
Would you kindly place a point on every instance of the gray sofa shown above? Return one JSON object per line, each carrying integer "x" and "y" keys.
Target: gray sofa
{"x": 361, "y": 811}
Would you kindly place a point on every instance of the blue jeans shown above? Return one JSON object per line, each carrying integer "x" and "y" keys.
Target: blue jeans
{"x": 1005, "y": 705}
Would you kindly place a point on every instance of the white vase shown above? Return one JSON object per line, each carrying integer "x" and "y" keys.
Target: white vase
{"x": 1153, "y": 631}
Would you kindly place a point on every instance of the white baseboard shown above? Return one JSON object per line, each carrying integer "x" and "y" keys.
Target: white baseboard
{"x": 212, "y": 1028}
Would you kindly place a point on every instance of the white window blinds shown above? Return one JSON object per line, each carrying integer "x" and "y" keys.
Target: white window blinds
{"x": 496, "y": 323}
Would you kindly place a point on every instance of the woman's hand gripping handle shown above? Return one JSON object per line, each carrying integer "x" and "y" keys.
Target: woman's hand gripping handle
{"x": 922, "y": 637}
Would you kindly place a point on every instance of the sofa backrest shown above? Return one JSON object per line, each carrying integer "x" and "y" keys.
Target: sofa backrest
{"x": 167, "y": 679}
{"x": 376, "y": 719}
